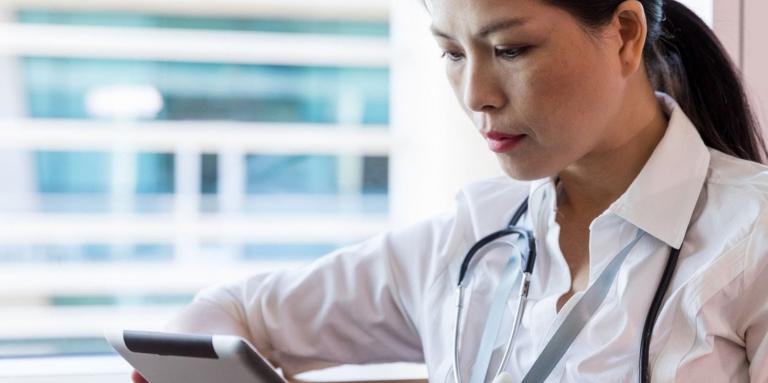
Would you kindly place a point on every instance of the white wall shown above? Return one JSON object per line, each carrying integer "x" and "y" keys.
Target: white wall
{"x": 16, "y": 181}
{"x": 704, "y": 8}
{"x": 436, "y": 149}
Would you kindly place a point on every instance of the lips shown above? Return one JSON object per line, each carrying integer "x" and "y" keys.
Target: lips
{"x": 502, "y": 142}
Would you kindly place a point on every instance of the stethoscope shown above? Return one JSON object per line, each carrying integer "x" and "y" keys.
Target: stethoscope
{"x": 528, "y": 261}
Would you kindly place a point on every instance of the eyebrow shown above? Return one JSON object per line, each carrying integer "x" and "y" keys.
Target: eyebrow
{"x": 487, "y": 30}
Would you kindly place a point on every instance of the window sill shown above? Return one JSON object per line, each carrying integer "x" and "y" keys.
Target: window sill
{"x": 112, "y": 369}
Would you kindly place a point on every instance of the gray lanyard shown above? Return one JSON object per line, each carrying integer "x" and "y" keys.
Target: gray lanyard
{"x": 572, "y": 325}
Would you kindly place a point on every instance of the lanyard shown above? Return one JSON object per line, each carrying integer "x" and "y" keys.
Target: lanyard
{"x": 565, "y": 334}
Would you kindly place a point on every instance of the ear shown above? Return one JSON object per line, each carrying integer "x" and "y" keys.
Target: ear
{"x": 630, "y": 20}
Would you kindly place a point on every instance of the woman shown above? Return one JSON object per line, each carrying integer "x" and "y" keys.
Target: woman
{"x": 633, "y": 128}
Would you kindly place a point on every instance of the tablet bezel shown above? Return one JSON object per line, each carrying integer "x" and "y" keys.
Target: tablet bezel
{"x": 190, "y": 347}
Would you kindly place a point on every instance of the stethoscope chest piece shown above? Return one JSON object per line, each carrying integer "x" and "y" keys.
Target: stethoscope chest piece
{"x": 504, "y": 377}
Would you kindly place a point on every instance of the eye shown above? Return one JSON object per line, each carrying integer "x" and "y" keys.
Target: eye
{"x": 510, "y": 53}
{"x": 453, "y": 56}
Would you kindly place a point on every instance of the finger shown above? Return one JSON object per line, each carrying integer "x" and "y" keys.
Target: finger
{"x": 137, "y": 378}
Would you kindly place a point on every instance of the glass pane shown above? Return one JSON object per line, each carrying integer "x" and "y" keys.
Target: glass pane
{"x": 316, "y": 184}
{"x": 375, "y": 175}
{"x": 46, "y": 253}
{"x": 83, "y": 181}
{"x": 73, "y": 172}
{"x": 284, "y": 251}
{"x": 121, "y": 300}
{"x": 291, "y": 174}
{"x": 209, "y": 173}
{"x": 317, "y": 204}
{"x": 113, "y": 19}
{"x": 59, "y": 88}
{"x": 155, "y": 173}
{"x": 32, "y": 347}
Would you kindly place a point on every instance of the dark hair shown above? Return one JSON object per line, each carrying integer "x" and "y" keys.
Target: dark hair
{"x": 685, "y": 59}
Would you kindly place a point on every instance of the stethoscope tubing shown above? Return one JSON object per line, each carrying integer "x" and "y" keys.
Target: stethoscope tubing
{"x": 529, "y": 262}
{"x": 653, "y": 314}
{"x": 650, "y": 319}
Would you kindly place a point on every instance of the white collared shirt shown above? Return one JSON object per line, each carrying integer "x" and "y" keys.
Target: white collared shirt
{"x": 391, "y": 298}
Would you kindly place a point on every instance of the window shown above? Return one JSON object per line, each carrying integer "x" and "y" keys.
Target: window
{"x": 190, "y": 150}
{"x": 160, "y": 149}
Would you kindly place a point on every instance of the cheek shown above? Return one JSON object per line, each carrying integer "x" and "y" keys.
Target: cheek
{"x": 568, "y": 98}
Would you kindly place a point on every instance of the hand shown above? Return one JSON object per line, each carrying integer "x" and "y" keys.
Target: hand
{"x": 137, "y": 378}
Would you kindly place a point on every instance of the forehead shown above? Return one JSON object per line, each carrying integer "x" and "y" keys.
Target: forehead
{"x": 468, "y": 16}
{"x": 468, "y": 10}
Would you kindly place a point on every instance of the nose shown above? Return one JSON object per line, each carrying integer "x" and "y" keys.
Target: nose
{"x": 483, "y": 91}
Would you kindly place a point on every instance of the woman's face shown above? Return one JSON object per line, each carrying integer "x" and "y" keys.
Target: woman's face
{"x": 549, "y": 89}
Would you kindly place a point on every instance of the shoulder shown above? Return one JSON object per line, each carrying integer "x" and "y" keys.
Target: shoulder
{"x": 494, "y": 192}
{"x": 487, "y": 205}
{"x": 727, "y": 169}
{"x": 740, "y": 188}
{"x": 742, "y": 179}
{"x": 476, "y": 208}
{"x": 480, "y": 207}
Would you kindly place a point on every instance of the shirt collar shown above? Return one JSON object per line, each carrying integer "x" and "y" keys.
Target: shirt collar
{"x": 662, "y": 198}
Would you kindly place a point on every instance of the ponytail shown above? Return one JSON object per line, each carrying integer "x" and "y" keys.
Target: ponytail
{"x": 686, "y": 60}
{"x": 689, "y": 63}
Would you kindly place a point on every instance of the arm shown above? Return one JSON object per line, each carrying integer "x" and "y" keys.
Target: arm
{"x": 361, "y": 304}
{"x": 756, "y": 311}
{"x": 757, "y": 349}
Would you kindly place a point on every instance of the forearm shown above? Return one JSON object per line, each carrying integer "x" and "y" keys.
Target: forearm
{"x": 204, "y": 317}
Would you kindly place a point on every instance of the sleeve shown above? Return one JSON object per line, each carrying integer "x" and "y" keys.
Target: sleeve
{"x": 360, "y": 304}
{"x": 755, "y": 310}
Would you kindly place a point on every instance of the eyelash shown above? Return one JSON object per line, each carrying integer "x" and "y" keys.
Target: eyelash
{"x": 513, "y": 52}
{"x": 509, "y": 54}
{"x": 450, "y": 56}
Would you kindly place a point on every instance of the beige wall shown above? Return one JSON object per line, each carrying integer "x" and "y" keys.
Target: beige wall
{"x": 755, "y": 55}
{"x": 741, "y": 26}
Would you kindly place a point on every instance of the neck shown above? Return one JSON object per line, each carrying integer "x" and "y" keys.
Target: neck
{"x": 591, "y": 184}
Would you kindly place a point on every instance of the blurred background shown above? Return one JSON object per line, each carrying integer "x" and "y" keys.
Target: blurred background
{"x": 149, "y": 149}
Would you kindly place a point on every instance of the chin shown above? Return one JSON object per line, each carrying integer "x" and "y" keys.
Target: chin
{"x": 523, "y": 171}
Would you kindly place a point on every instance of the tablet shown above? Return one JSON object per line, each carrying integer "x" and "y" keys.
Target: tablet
{"x": 186, "y": 358}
